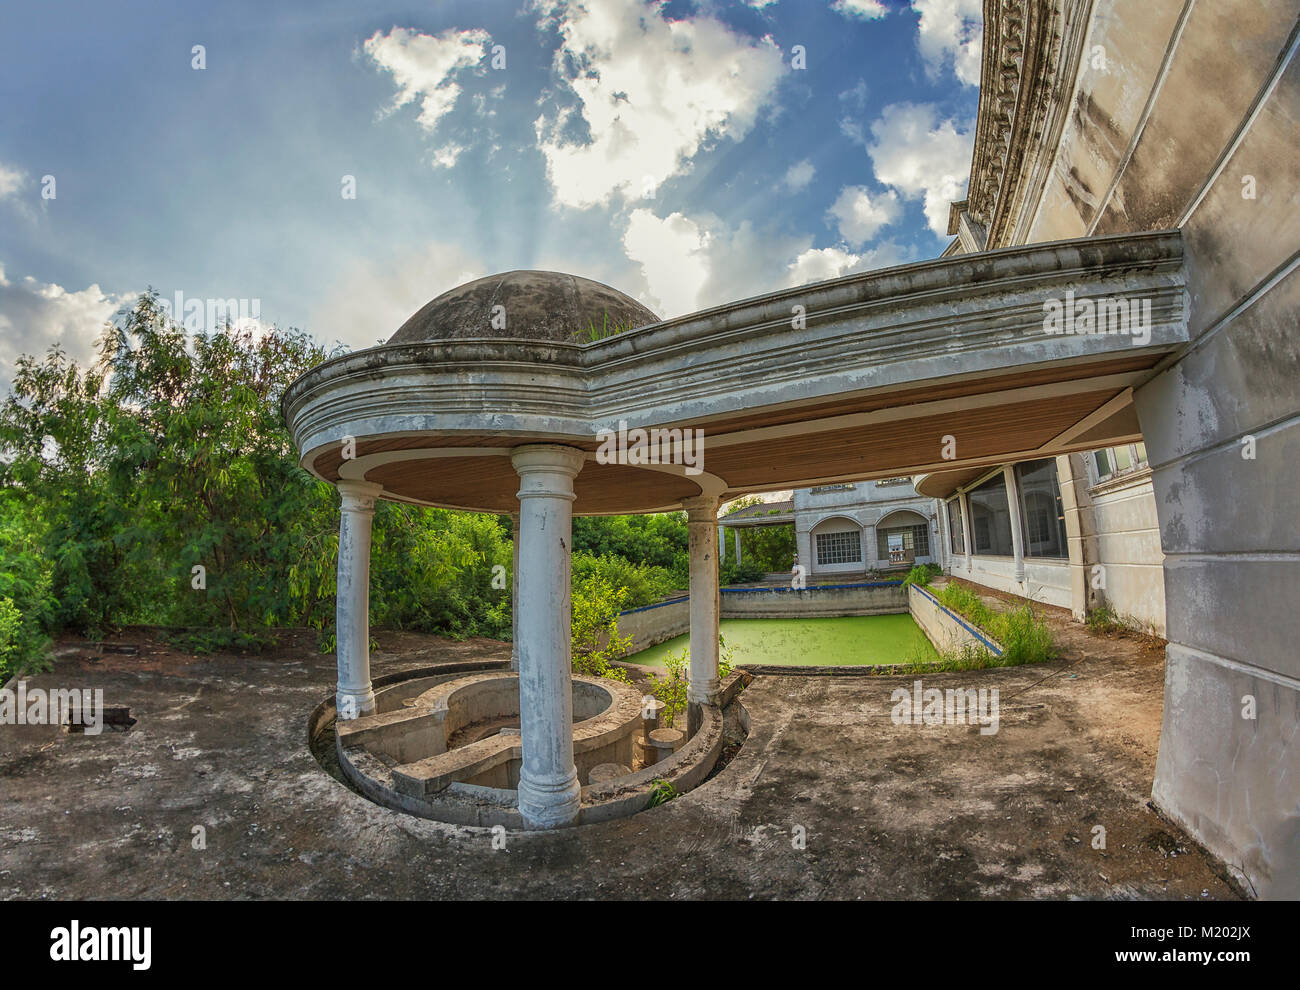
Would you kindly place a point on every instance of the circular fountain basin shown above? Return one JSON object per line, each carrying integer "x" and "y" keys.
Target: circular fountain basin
{"x": 447, "y": 747}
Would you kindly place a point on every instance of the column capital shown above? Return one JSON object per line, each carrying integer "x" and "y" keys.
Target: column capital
{"x": 547, "y": 470}
{"x": 358, "y": 496}
{"x": 701, "y": 508}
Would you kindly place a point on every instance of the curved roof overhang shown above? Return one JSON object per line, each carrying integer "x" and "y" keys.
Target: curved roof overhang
{"x": 857, "y": 378}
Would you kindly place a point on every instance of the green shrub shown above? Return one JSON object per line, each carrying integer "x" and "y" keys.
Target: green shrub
{"x": 1024, "y": 636}
{"x": 671, "y": 687}
{"x": 595, "y": 638}
{"x": 746, "y": 572}
{"x": 645, "y": 584}
{"x": 221, "y": 640}
{"x": 661, "y": 792}
{"x": 27, "y": 605}
{"x": 922, "y": 574}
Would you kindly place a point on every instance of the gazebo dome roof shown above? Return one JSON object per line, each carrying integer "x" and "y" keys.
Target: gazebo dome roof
{"x": 547, "y": 306}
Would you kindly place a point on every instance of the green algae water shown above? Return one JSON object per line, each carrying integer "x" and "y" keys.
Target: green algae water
{"x": 850, "y": 640}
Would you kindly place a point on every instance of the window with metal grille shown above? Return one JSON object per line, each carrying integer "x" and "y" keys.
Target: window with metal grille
{"x": 839, "y": 548}
{"x": 914, "y": 538}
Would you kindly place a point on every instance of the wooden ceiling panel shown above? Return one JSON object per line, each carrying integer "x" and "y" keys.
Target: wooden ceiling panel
{"x": 490, "y": 483}
{"x": 930, "y": 393}
{"x": 886, "y": 447}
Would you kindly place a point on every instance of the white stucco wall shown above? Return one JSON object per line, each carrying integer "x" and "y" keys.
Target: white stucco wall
{"x": 1125, "y": 541}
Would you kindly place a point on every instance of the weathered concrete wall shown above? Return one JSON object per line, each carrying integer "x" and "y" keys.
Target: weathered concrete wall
{"x": 1046, "y": 581}
{"x": 871, "y": 598}
{"x": 1124, "y": 538}
{"x": 1192, "y": 125}
{"x": 653, "y": 624}
{"x": 944, "y": 628}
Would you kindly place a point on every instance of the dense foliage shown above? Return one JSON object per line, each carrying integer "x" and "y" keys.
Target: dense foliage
{"x": 763, "y": 549}
{"x": 160, "y": 487}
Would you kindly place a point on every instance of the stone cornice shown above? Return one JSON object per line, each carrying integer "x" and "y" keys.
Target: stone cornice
{"x": 978, "y": 314}
{"x": 1031, "y": 53}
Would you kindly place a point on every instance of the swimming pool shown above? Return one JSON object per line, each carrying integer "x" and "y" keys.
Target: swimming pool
{"x": 852, "y": 640}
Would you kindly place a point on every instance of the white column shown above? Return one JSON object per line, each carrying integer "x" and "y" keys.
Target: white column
{"x": 549, "y": 792}
{"x": 967, "y": 536}
{"x": 1065, "y": 480}
{"x": 514, "y": 591}
{"x": 804, "y": 547}
{"x": 737, "y": 532}
{"x": 1017, "y": 536}
{"x": 355, "y": 696}
{"x": 702, "y": 526}
{"x": 722, "y": 544}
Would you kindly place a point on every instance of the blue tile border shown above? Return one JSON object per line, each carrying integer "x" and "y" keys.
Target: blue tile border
{"x": 764, "y": 591}
{"x": 973, "y": 630}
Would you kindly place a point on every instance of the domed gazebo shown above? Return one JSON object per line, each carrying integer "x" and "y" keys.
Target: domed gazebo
{"x": 499, "y": 396}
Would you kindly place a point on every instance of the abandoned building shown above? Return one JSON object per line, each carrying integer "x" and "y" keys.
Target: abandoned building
{"x": 1095, "y": 178}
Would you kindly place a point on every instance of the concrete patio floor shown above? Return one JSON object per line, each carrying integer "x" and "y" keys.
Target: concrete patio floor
{"x": 889, "y": 811}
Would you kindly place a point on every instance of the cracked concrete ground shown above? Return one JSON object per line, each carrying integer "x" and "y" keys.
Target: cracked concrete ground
{"x": 887, "y": 811}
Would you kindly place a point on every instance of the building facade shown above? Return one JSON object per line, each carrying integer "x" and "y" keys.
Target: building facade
{"x": 846, "y": 530}
{"x": 1077, "y": 531}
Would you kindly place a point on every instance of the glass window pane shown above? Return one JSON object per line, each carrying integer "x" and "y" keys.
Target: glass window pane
{"x": 955, "y": 530}
{"x": 1042, "y": 515}
{"x": 1103, "y": 463}
{"x": 1123, "y": 459}
{"x": 990, "y": 518}
{"x": 1141, "y": 449}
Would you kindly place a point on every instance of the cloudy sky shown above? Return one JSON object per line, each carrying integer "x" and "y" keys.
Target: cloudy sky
{"x": 687, "y": 153}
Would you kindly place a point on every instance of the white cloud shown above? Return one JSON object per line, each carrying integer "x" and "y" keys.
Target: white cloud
{"x": 819, "y": 264}
{"x": 34, "y": 315}
{"x": 857, "y": 95}
{"x": 374, "y": 299}
{"x": 921, "y": 156}
{"x": 650, "y": 93}
{"x": 951, "y": 32}
{"x": 11, "y": 180}
{"x": 859, "y": 214}
{"x": 445, "y": 157}
{"x": 798, "y": 175}
{"x": 673, "y": 253}
{"x": 689, "y": 263}
{"x": 425, "y": 67}
{"x": 866, "y": 10}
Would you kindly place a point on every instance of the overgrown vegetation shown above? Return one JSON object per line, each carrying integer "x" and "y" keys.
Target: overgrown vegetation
{"x": 922, "y": 574}
{"x": 593, "y": 331}
{"x": 661, "y": 792}
{"x": 1022, "y": 633}
{"x": 160, "y": 487}
{"x": 1105, "y": 621}
{"x": 763, "y": 549}
{"x": 596, "y": 642}
{"x": 670, "y": 687}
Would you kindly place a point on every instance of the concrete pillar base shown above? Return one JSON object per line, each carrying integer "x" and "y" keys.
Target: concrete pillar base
{"x": 550, "y": 803}
{"x": 694, "y": 718}
{"x": 354, "y": 704}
